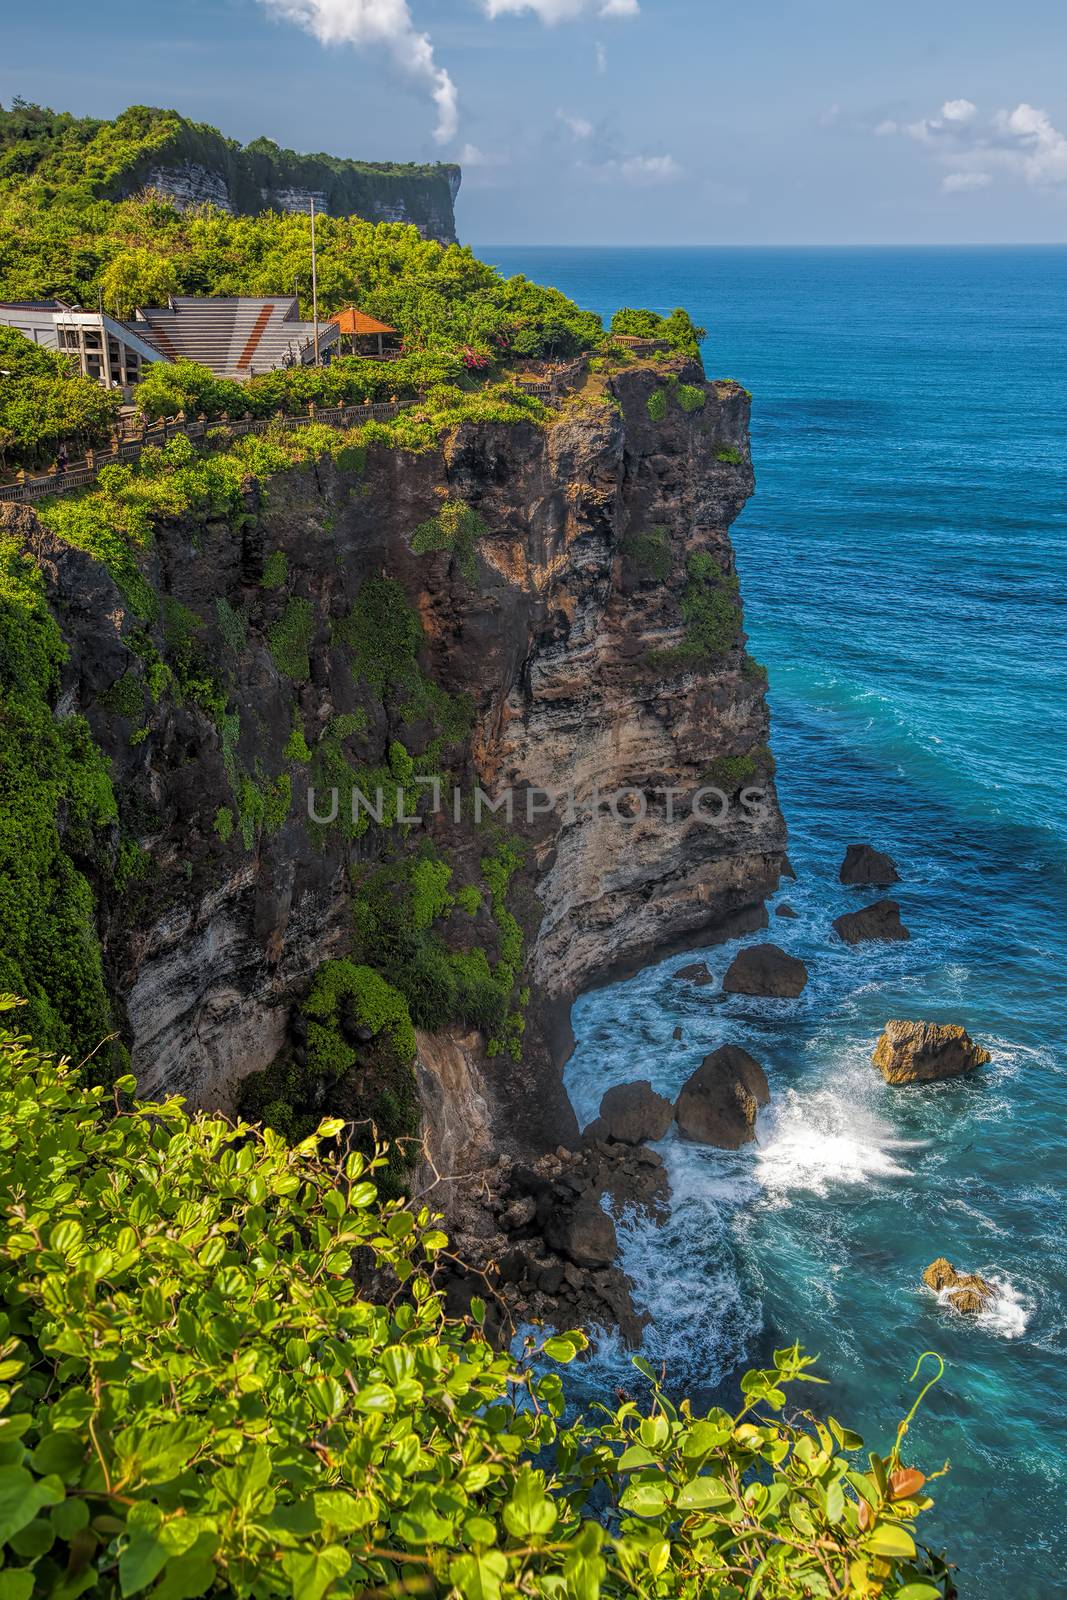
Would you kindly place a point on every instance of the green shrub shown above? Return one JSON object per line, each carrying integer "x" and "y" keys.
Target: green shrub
{"x": 275, "y": 570}
{"x": 730, "y": 455}
{"x": 202, "y": 1397}
{"x": 457, "y": 529}
{"x": 650, "y": 554}
{"x": 753, "y": 669}
{"x": 224, "y": 823}
{"x": 730, "y": 772}
{"x": 657, "y": 404}
{"x": 711, "y": 608}
{"x": 289, "y": 639}
{"x": 296, "y": 746}
{"x": 45, "y": 402}
{"x": 56, "y": 807}
{"x": 690, "y": 398}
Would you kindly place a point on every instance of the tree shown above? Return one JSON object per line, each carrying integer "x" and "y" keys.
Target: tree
{"x": 138, "y": 277}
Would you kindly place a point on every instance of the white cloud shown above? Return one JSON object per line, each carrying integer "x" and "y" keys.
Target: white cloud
{"x": 637, "y": 170}
{"x": 472, "y": 156}
{"x": 1022, "y": 145}
{"x": 965, "y": 182}
{"x": 601, "y": 58}
{"x": 580, "y": 127}
{"x": 828, "y": 117}
{"x": 379, "y": 22}
{"x": 552, "y": 11}
{"x": 886, "y": 129}
{"x": 959, "y": 110}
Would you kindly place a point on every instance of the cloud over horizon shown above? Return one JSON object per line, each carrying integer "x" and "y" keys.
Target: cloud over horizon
{"x": 1023, "y": 145}
{"x": 553, "y": 11}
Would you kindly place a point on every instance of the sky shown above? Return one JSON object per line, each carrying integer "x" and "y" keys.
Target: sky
{"x": 642, "y": 122}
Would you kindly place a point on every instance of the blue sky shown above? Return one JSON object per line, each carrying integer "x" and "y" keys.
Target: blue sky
{"x": 616, "y": 121}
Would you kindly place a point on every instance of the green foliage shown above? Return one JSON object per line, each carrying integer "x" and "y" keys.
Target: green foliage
{"x": 275, "y": 570}
{"x": 169, "y": 387}
{"x": 137, "y": 277}
{"x": 263, "y": 804}
{"x": 753, "y": 669}
{"x": 731, "y": 455}
{"x": 296, "y": 747}
{"x": 690, "y": 397}
{"x": 730, "y": 772}
{"x": 650, "y": 554}
{"x": 224, "y": 823}
{"x": 457, "y": 529}
{"x": 45, "y": 402}
{"x": 202, "y": 1398}
{"x": 711, "y": 608}
{"x": 679, "y": 330}
{"x": 657, "y": 404}
{"x": 289, "y": 639}
{"x": 233, "y": 624}
{"x": 56, "y": 805}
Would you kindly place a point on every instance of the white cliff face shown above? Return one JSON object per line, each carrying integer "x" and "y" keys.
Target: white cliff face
{"x": 190, "y": 184}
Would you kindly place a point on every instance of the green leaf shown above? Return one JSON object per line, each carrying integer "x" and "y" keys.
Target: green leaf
{"x": 21, "y": 1497}
{"x": 479, "y": 1577}
{"x": 562, "y": 1347}
{"x": 918, "y": 1591}
{"x": 835, "y": 1501}
{"x": 529, "y": 1512}
{"x": 343, "y": 1511}
{"x": 185, "y": 1578}
{"x": 62, "y": 1453}
{"x": 644, "y": 1499}
{"x": 16, "y": 1583}
{"x": 310, "y": 1575}
{"x": 142, "y": 1561}
{"x": 890, "y": 1539}
{"x": 701, "y": 1493}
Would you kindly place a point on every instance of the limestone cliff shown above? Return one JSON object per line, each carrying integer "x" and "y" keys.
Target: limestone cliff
{"x": 591, "y": 627}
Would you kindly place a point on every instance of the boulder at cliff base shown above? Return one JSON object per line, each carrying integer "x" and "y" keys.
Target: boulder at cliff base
{"x": 718, "y": 1104}
{"x": 878, "y": 922}
{"x": 765, "y": 970}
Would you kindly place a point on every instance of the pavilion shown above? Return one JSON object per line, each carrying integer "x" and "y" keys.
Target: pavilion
{"x": 366, "y": 335}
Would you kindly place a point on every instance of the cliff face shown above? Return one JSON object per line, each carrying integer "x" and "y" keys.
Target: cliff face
{"x": 578, "y": 625}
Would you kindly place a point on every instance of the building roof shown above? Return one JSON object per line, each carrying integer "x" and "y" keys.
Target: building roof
{"x": 233, "y": 334}
{"x": 355, "y": 322}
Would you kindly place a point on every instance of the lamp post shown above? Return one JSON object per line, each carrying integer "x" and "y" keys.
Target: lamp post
{"x": 314, "y": 282}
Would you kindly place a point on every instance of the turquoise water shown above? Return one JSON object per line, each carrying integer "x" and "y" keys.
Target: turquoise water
{"x": 903, "y": 566}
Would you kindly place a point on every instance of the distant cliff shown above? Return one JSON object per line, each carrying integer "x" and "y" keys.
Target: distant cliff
{"x": 146, "y": 147}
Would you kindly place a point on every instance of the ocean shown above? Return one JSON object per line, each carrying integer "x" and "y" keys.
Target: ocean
{"x": 904, "y": 571}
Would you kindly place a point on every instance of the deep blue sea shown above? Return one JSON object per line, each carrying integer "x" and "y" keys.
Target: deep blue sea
{"x": 904, "y": 571}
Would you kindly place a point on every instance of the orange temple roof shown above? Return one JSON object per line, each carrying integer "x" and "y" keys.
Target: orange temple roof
{"x": 356, "y": 322}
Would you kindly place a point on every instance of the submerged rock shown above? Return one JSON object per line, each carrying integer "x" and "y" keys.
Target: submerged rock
{"x": 965, "y": 1292}
{"x": 923, "y": 1052}
{"x": 696, "y": 972}
{"x": 784, "y": 910}
{"x": 765, "y": 969}
{"x": 880, "y": 921}
{"x": 677, "y": 1034}
{"x": 865, "y": 866}
{"x": 718, "y": 1104}
{"x": 631, "y": 1113}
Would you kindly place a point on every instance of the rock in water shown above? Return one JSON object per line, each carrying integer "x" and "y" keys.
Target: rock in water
{"x": 922, "y": 1052}
{"x": 865, "y": 866}
{"x": 784, "y": 910}
{"x": 718, "y": 1104}
{"x": 765, "y": 969}
{"x": 879, "y": 921}
{"x": 631, "y": 1113}
{"x": 696, "y": 972}
{"x": 964, "y": 1291}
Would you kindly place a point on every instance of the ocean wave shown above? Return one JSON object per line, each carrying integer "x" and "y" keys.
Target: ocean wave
{"x": 1009, "y": 1314}
{"x": 815, "y": 1140}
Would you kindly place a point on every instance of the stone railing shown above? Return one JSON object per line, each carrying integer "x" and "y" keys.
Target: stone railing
{"x": 131, "y": 436}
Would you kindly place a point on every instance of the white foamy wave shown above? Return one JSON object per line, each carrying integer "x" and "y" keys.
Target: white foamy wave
{"x": 816, "y": 1141}
{"x": 1009, "y": 1314}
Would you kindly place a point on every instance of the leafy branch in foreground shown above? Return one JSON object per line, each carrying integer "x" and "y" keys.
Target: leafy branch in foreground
{"x": 225, "y": 1369}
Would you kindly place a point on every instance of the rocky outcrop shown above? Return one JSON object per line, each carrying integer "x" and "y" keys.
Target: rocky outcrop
{"x": 765, "y": 970}
{"x": 695, "y": 972}
{"x": 784, "y": 910}
{"x": 630, "y": 1113}
{"x": 865, "y": 867}
{"x": 879, "y": 923}
{"x": 965, "y": 1292}
{"x": 537, "y": 1243}
{"x": 718, "y": 1104}
{"x": 923, "y": 1052}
